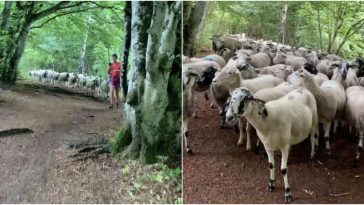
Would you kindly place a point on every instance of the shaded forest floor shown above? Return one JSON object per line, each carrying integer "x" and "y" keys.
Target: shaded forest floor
{"x": 221, "y": 172}
{"x": 37, "y": 168}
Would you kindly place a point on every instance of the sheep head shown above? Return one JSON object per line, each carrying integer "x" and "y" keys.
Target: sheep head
{"x": 229, "y": 76}
{"x": 310, "y": 68}
{"x": 189, "y": 78}
{"x": 238, "y": 104}
{"x": 359, "y": 63}
{"x": 206, "y": 78}
{"x": 242, "y": 61}
{"x": 299, "y": 77}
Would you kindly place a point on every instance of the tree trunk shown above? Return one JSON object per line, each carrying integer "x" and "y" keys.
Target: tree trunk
{"x": 5, "y": 15}
{"x": 13, "y": 44}
{"x": 126, "y": 47}
{"x": 282, "y": 27}
{"x": 82, "y": 69}
{"x": 151, "y": 114}
{"x": 191, "y": 28}
{"x": 319, "y": 26}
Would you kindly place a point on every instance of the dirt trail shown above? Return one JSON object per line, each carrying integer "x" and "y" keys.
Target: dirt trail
{"x": 221, "y": 172}
{"x": 27, "y": 160}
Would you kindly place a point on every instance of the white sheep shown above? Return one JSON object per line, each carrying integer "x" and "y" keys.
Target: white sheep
{"x": 213, "y": 57}
{"x": 189, "y": 77}
{"x": 279, "y": 124}
{"x": 330, "y": 98}
{"x": 354, "y": 115}
{"x": 257, "y": 60}
{"x": 344, "y": 74}
{"x": 230, "y": 78}
{"x": 283, "y": 58}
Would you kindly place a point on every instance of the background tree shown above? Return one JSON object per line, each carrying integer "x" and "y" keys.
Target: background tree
{"x": 334, "y": 27}
{"x": 193, "y": 17}
{"x": 19, "y": 19}
{"x": 152, "y": 112}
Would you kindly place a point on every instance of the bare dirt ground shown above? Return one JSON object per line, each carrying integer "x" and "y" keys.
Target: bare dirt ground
{"x": 221, "y": 172}
{"x": 36, "y": 167}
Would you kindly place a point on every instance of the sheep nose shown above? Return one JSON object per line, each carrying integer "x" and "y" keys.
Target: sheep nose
{"x": 229, "y": 118}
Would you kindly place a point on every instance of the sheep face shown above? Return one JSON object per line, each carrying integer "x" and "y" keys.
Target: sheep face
{"x": 206, "y": 77}
{"x": 283, "y": 72}
{"x": 219, "y": 43}
{"x": 229, "y": 77}
{"x": 280, "y": 56}
{"x": 189, "y": 79}
{"x": 298, "y": 77}
{"x": 343, "y": 68}
{"x": 238, "y": 104}
{"x": 310, "y": 68}
{"x": 312, "y": 57}
{"x": 226, "y": 53}
{"x": 322, "y": 56}
{"x": 242, "y": 61}
{"x": 359, "y": 63}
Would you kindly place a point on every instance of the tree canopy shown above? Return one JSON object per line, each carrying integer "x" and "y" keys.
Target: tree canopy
{"x": 57, "y": 44}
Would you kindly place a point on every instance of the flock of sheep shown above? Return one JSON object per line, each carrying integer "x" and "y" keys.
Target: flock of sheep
{"x": 282, "y": 92}
{"x": 71, "y": 80}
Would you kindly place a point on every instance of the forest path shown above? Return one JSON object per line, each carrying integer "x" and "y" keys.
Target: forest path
{"x": 27, "y": 161}
{"x": 221, "y": 172}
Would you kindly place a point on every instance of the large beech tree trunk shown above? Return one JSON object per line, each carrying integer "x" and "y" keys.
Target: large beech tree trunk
{"x": 152, "y": 112}
{"x": 192, "y": 26}
{"x": 126, "y": 47}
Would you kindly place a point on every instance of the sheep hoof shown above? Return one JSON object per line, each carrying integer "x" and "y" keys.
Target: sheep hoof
{"x": 328, "y": 152}
{"x": 206, "y": 96}
{"x": 355, "y": 164}
{"x": 212, "y": 105}
{"x": 189, "y": 151}
{"x": 240, "y": 144}
{"x": 270, "y": 187}
{"x": 248, "y": 148}
{"x": 222, "y": 126}
{"x": 287, "y": 197}
{"x": 257, "y": 149}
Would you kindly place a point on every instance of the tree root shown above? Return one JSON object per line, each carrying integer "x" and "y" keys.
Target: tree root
{"x": 89, "y": 148}
{"x": 90, "y": 152}
{"x": 14, "y": 131}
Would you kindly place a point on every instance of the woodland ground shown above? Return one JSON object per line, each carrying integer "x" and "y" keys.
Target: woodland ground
{"x": 37, "y": 168}
{"x": 221, "y": 172}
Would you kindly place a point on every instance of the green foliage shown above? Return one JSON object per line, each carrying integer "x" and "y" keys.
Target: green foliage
{"x": 119, "y": 141}
{"x": 261, "y": 20}
{"x": 58, "y": 44}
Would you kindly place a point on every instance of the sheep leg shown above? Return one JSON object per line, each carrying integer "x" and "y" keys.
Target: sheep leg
{"x": 284, "y": 172}
{"x": 272, "y": 176}
{"x": 334, "y": 130}
{"x": 206, "y": 96}
{"x": 327, "y": 137}
{"x": 248, "y": 145}
{"x": 257, "y": 147}
{"x": 241, "y": 131}
{"x": 185, "y": 135}
{"x": 358, "y": 151}
{"x": 313, "y": 139}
